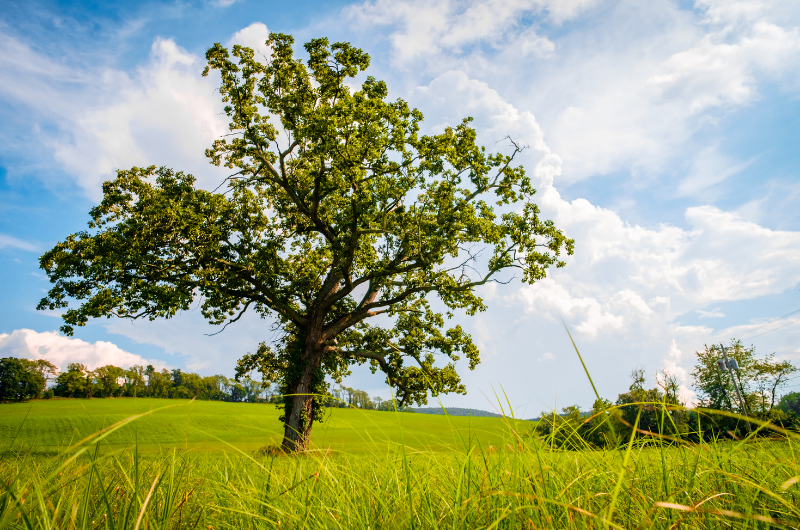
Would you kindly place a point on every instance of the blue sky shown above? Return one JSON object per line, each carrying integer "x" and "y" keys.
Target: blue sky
{"x": 662, "y": 138}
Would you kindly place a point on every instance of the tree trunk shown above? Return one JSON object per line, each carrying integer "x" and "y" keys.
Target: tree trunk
{"x": 300, "y": 419}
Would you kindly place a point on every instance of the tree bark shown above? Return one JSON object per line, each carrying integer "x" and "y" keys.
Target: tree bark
{"x": 300, "y": 419}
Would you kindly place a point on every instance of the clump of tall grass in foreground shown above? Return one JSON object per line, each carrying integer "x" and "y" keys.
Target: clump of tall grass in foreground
{"x": 523, "y": 483}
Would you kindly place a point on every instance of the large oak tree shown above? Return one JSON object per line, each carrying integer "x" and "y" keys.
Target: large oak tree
{"x": 338, "y": 211}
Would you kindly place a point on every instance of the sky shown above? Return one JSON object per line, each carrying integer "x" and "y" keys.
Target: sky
{"x": 660, "y": 138}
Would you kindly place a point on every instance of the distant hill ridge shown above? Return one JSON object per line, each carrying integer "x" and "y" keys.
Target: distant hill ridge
{"x": 455, "y": 411}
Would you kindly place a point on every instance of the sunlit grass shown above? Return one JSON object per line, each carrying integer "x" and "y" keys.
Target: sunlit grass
{"x": 49, "y": 426}
{"x": 397, "y": 480}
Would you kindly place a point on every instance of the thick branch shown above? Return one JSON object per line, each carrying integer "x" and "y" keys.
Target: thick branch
{"x": 269, "y": 298}
{"x": 283, "y": 182}
{"x": 366, "y": 310}
{"x": 385, "y": 368}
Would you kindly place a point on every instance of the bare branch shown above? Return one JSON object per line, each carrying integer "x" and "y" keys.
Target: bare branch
{"x": 385, "y": 368}
{"x": 231, "y": 321}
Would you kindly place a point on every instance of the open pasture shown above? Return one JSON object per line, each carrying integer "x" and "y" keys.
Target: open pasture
{"x": 50, "y": 426}
{"x": 410, "y": 471}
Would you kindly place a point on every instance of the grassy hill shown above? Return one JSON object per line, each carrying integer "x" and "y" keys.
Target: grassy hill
{"x": 456, "y": 411}
{"x": 52, "y": 425}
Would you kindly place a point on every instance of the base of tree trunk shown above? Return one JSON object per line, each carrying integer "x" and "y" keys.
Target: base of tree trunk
{"x": 298, "y": 445}
{"x": 298, "y": 423}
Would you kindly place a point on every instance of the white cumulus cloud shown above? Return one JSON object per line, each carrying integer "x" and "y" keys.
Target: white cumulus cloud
{"x": 719, "y": 73}
{"x": 166, "y": 114}
{"x": 426, "y": 28}
{"x": 253, "y": 36}
{"x": 627, "y": 281}
{"x": 163, "y": 113}
{"x": 60, "y": 350}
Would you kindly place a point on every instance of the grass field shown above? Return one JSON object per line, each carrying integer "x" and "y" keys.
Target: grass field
{"x": 50, "y": 426}
{"x": 384, "y": 470}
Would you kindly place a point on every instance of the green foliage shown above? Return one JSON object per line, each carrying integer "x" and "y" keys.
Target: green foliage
{"x": 346, "y": 397}
{"x": 138, "y": 381}
{"x": 567, "y": 430}
{"x": 22, "y": 379}
{"x": 604, "y": 426}
{"x": 143, "y": 382}
{"x": 790, "y": 403}
{"x": 659, "y": 410}
{"x": 760, "y": 381}
{"x": 73, "y": 382}
{"x": 107, "y": 379}
{"x": 337, "y": 211}
{"x": 656, "y": 412}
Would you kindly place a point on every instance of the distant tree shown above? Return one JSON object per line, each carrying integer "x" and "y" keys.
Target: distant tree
{"x": 347, "y": 396}
{"x": 192, "y": 384}
{"x": 220, "y": 385}
{"x": 361, "y": 400}
{"x": 135, "y": 382}
{"x": 24, "y": 379}
{"x": 211, "y": 388}
{"x": 73, "y": 382}
{"x": 252, "y": 389}
{"x": 107, "y": 380}
{"x": 335, "y": 397}
{"x": 761, "y": 379}
{"x": 266, "y": 390}
{"x": 159, "y": 383}
{"x": 349, "y": 215}
{"x": 46, "y": 369}
{"x": 236, "y": 392}
{"x": 790, "y": 403}
{"x": 605, "y": 427}
{"x": 714, "y": 386}
{"x": 674, "y": 404}
{"x": 90, "y": 386}
{"x": 769, "y": 379}
{"x": 567, "y": 430}
{"x": 20, "y": 379}
{"x": 654, "y": 407}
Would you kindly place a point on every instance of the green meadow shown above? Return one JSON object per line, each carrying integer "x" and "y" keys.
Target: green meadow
{"x": 161, "y": 464}
{"x": 51, "y": 426}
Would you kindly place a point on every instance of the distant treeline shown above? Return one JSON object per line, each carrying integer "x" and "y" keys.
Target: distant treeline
{"x": 343, "y": 396}
{"x": 650, "y": 411}
{"x": 660, "y": 412}
{"x": 26, "y": 379}
{"x": 22, "y": 379}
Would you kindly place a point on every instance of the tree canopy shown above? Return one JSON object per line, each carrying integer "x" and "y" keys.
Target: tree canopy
{"x": 23, "y": 378}
{"x": 760, "y": 380}
{"x": 337, "y": 211}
